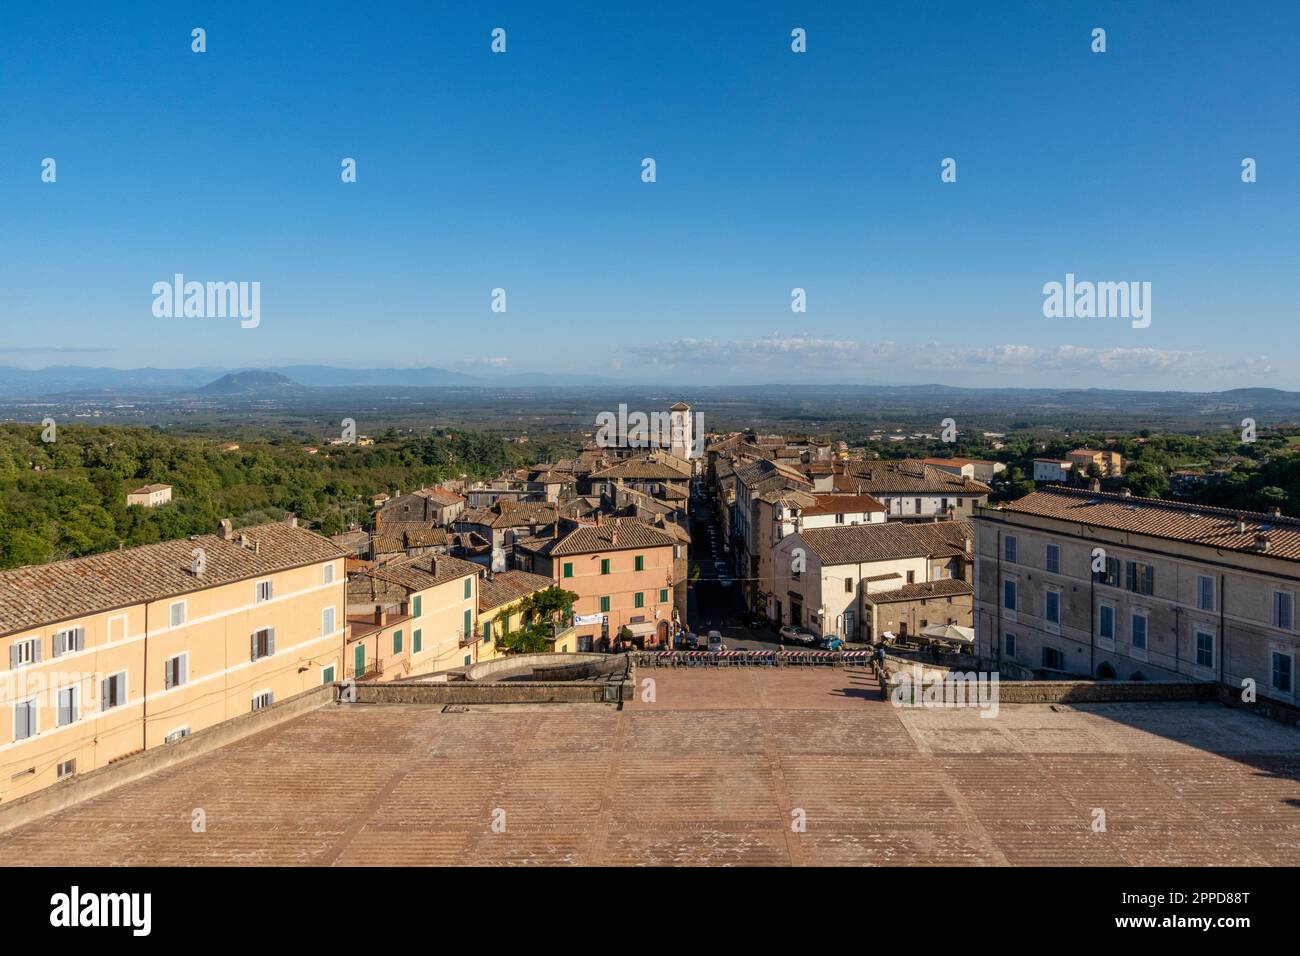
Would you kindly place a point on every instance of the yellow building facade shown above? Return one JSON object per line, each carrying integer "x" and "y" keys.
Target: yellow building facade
{"x": 119, "y": 652}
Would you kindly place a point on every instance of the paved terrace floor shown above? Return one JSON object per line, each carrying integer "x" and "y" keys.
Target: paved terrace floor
{"x": 709, "y": 774}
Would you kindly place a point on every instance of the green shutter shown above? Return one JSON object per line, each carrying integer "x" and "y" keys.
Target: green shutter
{"x": 359, "y": 660}
{"x": 468, "y": 629}
{"x": 640, "y": 562}
{"x": 417, "y": 606}
{"x": 487, "y": 632}
{"x": 417, "y": 641}
{"x": 604, "y": 565}
{"x": 638, "y": 599}
{"x": 327, "y": 675}
{"x": 397, "y": 642}
{"x": 568, "y": 569}
{"x": 663, "y": 595}
{"x": 468, "y": 587}
{"x": 604, "y": 605}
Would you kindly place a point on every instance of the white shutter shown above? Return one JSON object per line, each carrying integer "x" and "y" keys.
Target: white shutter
{"x": 60, "y": 643}
{"x": 13, "y": 656}
{"x": 270, "y": 641}
{"x": 103, "y": 694}
{"x": 36, "y": 650}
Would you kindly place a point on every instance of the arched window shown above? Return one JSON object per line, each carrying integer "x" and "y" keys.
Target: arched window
{"x": 1106, "y": 672}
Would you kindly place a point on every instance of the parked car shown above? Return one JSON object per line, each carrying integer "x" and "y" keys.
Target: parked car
{"x": 690, "y": 642}
{"x": 806, "y": 638}
{"x": 830, "y": 643}
{"x": 715, "y": 641}
{"x": 787, "y": 634}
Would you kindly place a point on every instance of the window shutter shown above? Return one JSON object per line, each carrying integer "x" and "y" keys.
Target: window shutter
{"x": 36, "y": 649}
{"x": 252, "y": 644}
{"x": 60, "y": 643}
{"x": 183, "y": 669}
{"x": 103, "y": 694}
{"x": 168, "y": 683}
{"x": 13, "y": 654}
{"x": 270, "y": 641}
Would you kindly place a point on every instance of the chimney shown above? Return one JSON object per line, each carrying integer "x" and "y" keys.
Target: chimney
{"x": 1275, "y": 512}
{"x": 243, "y": 541}
{"x": 1262, "y": 541}
{"x": 1094, "y": 485}
{"x": 597, "y": 519}
{"x": 1125, "y": 493}
{"x": 381, "y": 616}
{"x": 1241, "y": 524}
{"x": 290, "y": 519}
{"x": 969, "y": 544}
{"x": 225, "y": 529}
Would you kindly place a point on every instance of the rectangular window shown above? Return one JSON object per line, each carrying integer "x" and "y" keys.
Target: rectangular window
{"x": 263, "y": 643}
{"x": 66, "y": 769}
{"x": 1141, "y": 578}
{"x": 469, "y": 588}
{"x": 327, "y": 621}
{"x": 417, "y": 605}
{"x": 604, "y": 605}
{"x": 1139, "y": 632}
{"x": 663, "y": 595}
{"x": 358, "y": 660}
{"x": 568, "y": 569}
{"x": 327, "y": 675}
{"x": 1009, "y": 644}
{"x": 397, "y": 642}
{"x": 604, "y": 565}
{"x": 178, "y": 614}
{"x": 417, "y": 641}
{"x": 1053, "y": 558}
{"x": 1204, "y": 592}
{"x": 918, "y": 505}
{"x": 1053, "y": 659}
{"x": 848, "y": 585}
{"x": 487, "y": 632}
{"x": 1009, "y": 548}
{"x": 176, "y": 735}
{"x": 639, "y": 563}
{"x": 69, "y": 701}
{"x": 1282, "y": 672}
{"x": 1009, "y": 595}
{"x": 467, "y": 625}
{"x": 1111, "y": 573}
{"x": 25, "y": 719}
{"x": 911, "y": 577}
{"x": 262, "y": 701}
{"x": 112, "y": 692}
{"x": 264, "y": 591}
{"x": 1204, "y": 649}
{"x": 327, "y": 574}
{"x": 638, "y": 599}
{"x": 25, "y": 652}
{"x": 1282, "y": 616}
{"x": 839, "y": 519}
{"x": 1106, "y": 622}
{"x": 1053, "y": 607}
{"x": 175, "y": 671}
{"x": 69, "y": 640}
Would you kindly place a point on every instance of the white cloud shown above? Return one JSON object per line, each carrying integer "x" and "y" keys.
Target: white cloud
{"x": 779, "y": 357}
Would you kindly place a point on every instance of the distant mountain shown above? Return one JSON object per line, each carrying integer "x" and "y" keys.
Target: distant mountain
{"x": 80, "y": 380}
{"x": 326, "y": 376}
{"x": 251, "y": 384}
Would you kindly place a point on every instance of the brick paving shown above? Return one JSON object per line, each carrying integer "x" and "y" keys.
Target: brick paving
{"x": 710, "y": 773}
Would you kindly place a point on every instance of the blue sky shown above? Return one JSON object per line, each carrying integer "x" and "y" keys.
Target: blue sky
{"x": 775, "y": 170}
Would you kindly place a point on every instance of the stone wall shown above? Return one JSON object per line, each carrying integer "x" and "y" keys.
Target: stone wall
{"x": 504, "y": 692}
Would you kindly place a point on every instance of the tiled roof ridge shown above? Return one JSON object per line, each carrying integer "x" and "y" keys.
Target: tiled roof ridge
{"x": 1184, "y": 506}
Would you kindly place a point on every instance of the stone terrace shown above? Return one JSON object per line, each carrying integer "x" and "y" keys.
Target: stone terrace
{"x": 709, "y": 774}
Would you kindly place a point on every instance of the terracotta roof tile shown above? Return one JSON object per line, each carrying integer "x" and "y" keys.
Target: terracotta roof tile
{"x": 48, "y": 593}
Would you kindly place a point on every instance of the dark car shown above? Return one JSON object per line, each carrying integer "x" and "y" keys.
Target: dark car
{"x": 690, "y": 642}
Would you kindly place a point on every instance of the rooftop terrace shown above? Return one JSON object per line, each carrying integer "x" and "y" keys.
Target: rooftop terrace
{"x": 710, "y": 774}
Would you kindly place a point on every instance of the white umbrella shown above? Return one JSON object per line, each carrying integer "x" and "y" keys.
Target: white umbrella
{"x": 949, "y": 632}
